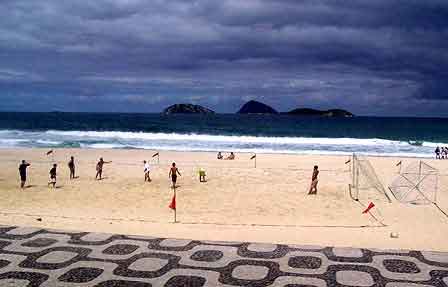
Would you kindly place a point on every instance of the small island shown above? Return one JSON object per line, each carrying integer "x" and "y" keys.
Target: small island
{"x": 319, "y": 113}
{"x": 254, "y": 107}
{"x": 186, "y": 109}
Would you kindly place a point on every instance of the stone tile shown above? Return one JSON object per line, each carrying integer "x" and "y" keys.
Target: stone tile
{"x": 250, "y": 272}
{"x": 40, "y": 242}
{"x": 347, "y": 252}
{"x": 436, "y": 256}
{"x": 57, "y": 257}
{"x": 174, "y": 243}
{"x": 148, "y": 264}
{"x": 14, "y": 283}
{"x": 96, "y": 237}
{"x": 120, "y": 249}
{"x": 400, "y": 266}
{"x": 207, "y": 255}
{"x": 81, "y": 275}
{"x": 23, "y": 231}
{"x": 354, "y": 278}
{"x": 261, "y": 247}
{"x": 397, "y": 284}
{"x": 123, "y": 283}
{"x": 190, "y": 281}
{"x": 306, "y": 262}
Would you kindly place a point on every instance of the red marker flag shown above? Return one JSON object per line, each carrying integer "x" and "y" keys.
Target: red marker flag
{"x": 156, "y": 154}
{"x": 254, "y": 156}
{"x": 173, "y": 203}
{"x": 49, "y": 152}
{"x": 371, "y": 205}
{"x": 399, "y": 163}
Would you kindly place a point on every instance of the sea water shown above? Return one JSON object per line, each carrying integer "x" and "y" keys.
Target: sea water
{"x": 226, "y": 132}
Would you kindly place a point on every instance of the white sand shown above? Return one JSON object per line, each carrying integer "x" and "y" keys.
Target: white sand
{"x": 238, "y": 202}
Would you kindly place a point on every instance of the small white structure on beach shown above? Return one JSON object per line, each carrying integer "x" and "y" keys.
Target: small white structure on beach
{"x": 417, "y": 184}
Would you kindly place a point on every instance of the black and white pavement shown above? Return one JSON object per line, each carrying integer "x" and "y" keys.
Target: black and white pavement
{"x": 44, "y": 257}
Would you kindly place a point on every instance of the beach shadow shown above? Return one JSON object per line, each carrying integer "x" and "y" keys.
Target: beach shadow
{"x": 103, "y": 178}
{"x": 58, "y": 187}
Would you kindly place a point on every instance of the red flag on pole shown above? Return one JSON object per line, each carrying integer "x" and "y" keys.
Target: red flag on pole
{"x": 156, "y": 154}
{"x": 371, "y": 205}
{"x": 49, "y": 152}
{"x": 173, "y": 203}
{"x": 254, "y": 156}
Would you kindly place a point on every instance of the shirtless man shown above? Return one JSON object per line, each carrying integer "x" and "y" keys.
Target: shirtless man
{"x": 71, "y": 166}
{"x": 173, "y": 174}
{"x": 22, "y": 172}
{"x": 99, "y": 168}
{"x": 53, "y": 176}
{"x": 314, "y": 180}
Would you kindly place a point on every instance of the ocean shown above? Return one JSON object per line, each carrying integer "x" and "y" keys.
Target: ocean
{"x": 409, "y": 137}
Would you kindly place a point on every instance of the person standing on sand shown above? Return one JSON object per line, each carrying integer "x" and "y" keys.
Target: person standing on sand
{"x": 314, "y": 180}
{"x": 99, "y": 168}
{"x": 174, "y": 171}
{"x": 146, "y": 170}
{"x": 71, "y": 166}
{"x": 22, "y": 172}
{"x": 53, "y": 176}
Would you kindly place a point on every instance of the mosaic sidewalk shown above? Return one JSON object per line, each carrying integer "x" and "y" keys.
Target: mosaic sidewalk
{"x": 42, "y": 257}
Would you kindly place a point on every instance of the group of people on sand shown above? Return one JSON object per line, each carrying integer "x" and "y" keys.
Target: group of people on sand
{"x": 53, "y": 171}
{"x": 173, "y": 173}
{"x": 441, "y": 152}
{"x": 230, "y": 157}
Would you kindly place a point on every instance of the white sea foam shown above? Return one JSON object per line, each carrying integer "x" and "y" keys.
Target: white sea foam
{"x": 205, "y": 142}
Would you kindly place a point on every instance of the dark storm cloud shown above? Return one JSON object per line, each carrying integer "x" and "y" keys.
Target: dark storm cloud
{"x": 373, "y": 57}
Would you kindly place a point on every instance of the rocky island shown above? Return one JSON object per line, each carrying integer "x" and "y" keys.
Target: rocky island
{"x": 254, "y": 107}
{"x": 319, "y": 113}
{"x": 186, "y": 109}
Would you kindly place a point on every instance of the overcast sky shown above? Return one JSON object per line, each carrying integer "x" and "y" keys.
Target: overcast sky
{"x": 381, "y": 57}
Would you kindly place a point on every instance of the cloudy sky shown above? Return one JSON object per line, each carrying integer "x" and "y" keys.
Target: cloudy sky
{"x": 382, "y": 57}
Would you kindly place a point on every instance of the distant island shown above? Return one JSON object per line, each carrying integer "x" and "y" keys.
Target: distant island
{"x": 186, "y": 109}
{"x": 254, "y": 107}
{"x": 319, "y": 113}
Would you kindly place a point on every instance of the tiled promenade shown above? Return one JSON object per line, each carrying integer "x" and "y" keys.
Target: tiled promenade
{"x": 40, "y": 257}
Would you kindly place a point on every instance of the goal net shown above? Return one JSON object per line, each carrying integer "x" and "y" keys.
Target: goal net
{"x": 416, "y": 184}
{"x": 365, "y": 183}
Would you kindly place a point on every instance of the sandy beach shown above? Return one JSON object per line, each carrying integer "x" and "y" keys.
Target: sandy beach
{"x": 237, "y": 203}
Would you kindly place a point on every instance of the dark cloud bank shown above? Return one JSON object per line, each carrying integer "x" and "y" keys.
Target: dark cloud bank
{"x": 371, "y": 57}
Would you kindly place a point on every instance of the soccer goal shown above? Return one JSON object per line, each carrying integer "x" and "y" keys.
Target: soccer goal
{"x": 417, "y": 184}
{"x": 365, "y": 183}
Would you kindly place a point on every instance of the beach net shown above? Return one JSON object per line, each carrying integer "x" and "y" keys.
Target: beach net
{"x": 417, "y": 184}
{"x": 365, "y": 182}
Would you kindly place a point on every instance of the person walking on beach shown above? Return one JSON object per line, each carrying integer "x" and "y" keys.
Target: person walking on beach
{"x": 314, "y": 180}
{"x": 146, "y": 170}
{"x": 71, "y": 166}
{"x": 99, "y": 168}
{"x": 53, "y": 176}
{"x": 174, "y": 171}
{"x": 22, "y": 172}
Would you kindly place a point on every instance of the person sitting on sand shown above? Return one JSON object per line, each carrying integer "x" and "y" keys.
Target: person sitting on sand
{"x": 53, "y": 176}
{"x": 174, "y": 171}
{"x": 146, "y": 171}
{"x": 219, "y": 156}
{"x": 22, "y": 172}
{"x": 71, "y": 167}
{"x": 231, "y": 156}
{"x": 99, "y": 168}
{"x": 314, "y": 180}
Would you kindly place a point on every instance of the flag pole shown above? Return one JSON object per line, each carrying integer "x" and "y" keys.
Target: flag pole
{"x": 255, "y": 160}
{"x": 158, "y": 158}
{"x": 175, "y": 209}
